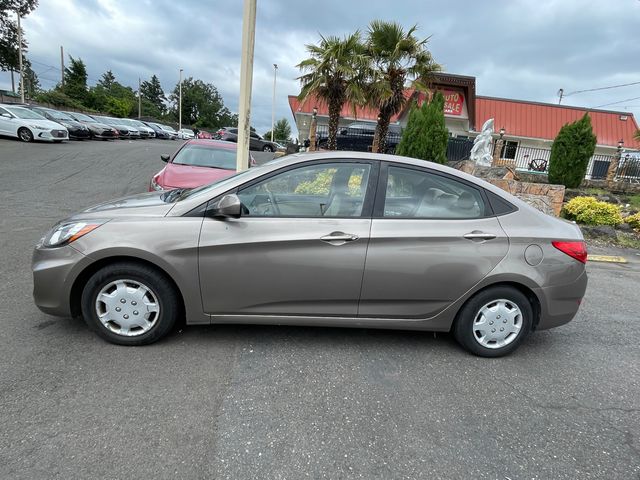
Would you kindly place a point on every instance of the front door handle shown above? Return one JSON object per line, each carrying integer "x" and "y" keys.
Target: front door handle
{"x": 477, "y": 235}
{"x": 339, "y": 237}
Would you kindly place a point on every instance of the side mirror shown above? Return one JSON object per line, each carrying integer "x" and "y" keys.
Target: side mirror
{"x": 164, "y": 158}
{"x": 228, "y": 206}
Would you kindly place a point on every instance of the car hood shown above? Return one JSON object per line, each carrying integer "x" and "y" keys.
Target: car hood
{"x": 142, "y": 204}
{"x": 187, "y": 176}
{"x": 42, "y": 123}
{"x": 70, "y": 123}
{"x": 98, "y": 125}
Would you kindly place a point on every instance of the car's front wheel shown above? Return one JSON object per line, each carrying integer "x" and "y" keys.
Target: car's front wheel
{"x": 130, "y": 304}
{"x": 25, "y": 134}
{"x": 494, "y": 322}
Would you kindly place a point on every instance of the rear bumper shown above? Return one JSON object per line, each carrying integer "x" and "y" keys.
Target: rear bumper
{"x": 559, "y": 304}
{"x": 53, "y": 278}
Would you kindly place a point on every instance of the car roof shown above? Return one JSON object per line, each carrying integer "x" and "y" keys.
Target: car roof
{"x": 213, "y": 143}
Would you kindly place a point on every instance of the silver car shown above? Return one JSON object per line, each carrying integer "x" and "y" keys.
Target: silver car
{"x": 340, "y": 239}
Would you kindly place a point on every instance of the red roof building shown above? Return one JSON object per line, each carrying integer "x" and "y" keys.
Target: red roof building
{"x": 526, "y": 123}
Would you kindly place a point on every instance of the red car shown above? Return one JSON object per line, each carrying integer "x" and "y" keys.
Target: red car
{"x": 197, "y": 162}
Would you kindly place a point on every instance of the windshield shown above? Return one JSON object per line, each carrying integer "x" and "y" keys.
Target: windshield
{"x": 219, "y": 183}
{"x": 59, "y": 115}
{"x": 82, "y": 117}
{"x": 25, "y": 114}
{"x": 206, "y": 156}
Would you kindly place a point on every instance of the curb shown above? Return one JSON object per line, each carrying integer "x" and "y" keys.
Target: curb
{"x": 606, "y": 258}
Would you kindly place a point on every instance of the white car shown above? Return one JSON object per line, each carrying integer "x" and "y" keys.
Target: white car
{"x": 186, "y": 134}
{"x": 28, "y": 125}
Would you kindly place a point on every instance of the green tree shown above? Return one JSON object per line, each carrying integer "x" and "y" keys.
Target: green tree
{"x": 426, "y": 135}
{"x": 31, "y": 82}
{"x": 397, "y": 57}
{"x": 75, "y": 79}
{"x": 107, "y": 80}
{"x": 9, "y": 31}
{"x": 636, "y": 136}
{"x": 152, "y": 92}
{"x": 202, "y": 105}
{"x": 334, "y": 73}
{"x": 570, "y": 153}
{"x": 281, "y": 131}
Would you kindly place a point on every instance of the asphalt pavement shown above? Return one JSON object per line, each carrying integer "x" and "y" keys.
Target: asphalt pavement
{"x": 245, "y": 402}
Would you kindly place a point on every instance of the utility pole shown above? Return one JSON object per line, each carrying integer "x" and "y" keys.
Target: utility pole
{"x": 62, "y": 66}
{"x": 560, "y": 94}
{"x": 246, "y": 78}
{"x": 20, "y": 59}
{"x": 180, "y": 102}
{"x": 139, "y": 100}
{"x": 13, "y": 82}
{"x": 273, "y": 102}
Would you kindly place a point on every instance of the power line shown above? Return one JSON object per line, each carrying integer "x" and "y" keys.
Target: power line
{"x": 616, "y": 103}
{"x": 602, "y": 88}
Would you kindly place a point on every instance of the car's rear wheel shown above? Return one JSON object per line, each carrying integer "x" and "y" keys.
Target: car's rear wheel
{"x": 494, "y": 322}
{"x": 130, "y": 304}
{"x": 25, "y": 134}
{"x": 267, "y": 148}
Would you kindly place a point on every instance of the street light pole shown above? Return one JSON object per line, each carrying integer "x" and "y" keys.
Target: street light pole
{"x": 180, "y": 102}
{"x": 246, "y": 77}
{"x": 20, "y": 59}
{"x": 273, "y": 102}
{"x": 139, "y": 99}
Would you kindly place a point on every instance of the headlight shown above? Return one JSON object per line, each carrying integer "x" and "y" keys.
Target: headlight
{"x": 68, "y": 232}
{"x": 155, "y": 185}
{"x": 39, "y": 127}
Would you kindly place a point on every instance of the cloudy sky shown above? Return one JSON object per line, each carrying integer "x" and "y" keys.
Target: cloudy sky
{"x": 516, "y": 49}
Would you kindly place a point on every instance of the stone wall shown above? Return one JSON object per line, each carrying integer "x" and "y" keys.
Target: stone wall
{"x": 543, "y": 196}
{"x": 615, "y": 187}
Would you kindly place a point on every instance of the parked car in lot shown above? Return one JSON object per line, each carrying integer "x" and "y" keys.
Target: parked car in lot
{"x": 76, "y": 129}
{"x": 196, "y": 163}
{"x": 28, "y": 126}
{"x": 363, "y": 240}
{"x": 160, "y": 133}
{"x": 124, "y": 131}
{"x": 173, "y": 134}
{"x": 96, "y": 129}
{"x": 144, "y": 131}
{"x": 358, "y": 137}
{"x": 256, "y": 142}
{"x": 186, "y": 134}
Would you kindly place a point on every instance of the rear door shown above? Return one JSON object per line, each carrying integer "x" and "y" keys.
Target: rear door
{"x": 433, "y": 237}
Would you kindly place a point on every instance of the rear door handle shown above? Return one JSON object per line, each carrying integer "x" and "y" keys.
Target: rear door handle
{"x": 476, "y": 235}
{"x": 339, "y": 237}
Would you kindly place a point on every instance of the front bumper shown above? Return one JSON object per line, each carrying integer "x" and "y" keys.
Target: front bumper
{"x": 79, "y": 133}
{"x": 51, "y": 135}
{"x": 53, "y": 278}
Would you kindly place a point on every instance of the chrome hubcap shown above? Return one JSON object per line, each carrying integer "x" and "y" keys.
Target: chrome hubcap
{"x": 497, "y": 324}
{"x": 127, "y": 307}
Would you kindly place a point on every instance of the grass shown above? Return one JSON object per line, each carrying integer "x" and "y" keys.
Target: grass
{"x": 634, "y": 201}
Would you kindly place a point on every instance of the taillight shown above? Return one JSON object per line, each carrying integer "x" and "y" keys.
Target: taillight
{"x": 577, "y": 250}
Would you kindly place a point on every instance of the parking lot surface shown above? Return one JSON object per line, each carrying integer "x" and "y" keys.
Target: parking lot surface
{"x": 249, "y": 402}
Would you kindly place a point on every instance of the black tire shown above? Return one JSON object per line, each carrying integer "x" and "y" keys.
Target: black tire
{"x": 25, "y": 134}
{"x": 157, "y": 282}
{"x": 267, "y": 148}
{"x": 463, "y": 329}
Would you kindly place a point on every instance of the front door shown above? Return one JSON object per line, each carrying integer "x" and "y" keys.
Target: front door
{"x": 299, "y": 248}
{"x": 7, "y": 125}
{"x": 432, "y": 238}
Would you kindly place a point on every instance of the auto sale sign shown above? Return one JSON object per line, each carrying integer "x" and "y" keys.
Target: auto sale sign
{"x": 453, "y": 102}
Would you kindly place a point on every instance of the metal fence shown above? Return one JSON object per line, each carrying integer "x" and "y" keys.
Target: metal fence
{"x": 537, "y": 160}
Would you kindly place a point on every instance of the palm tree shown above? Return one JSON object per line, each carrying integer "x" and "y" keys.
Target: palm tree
{"x": 396, "y": 57}
{"x": 334, "y": 73}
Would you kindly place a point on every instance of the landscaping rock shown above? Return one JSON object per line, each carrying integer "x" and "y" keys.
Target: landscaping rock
{"x": 624, "y": 227}
{"x": 605, "y": 232}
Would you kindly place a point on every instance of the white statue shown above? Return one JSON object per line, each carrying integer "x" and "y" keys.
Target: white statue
{"x": 482, "y": 153}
